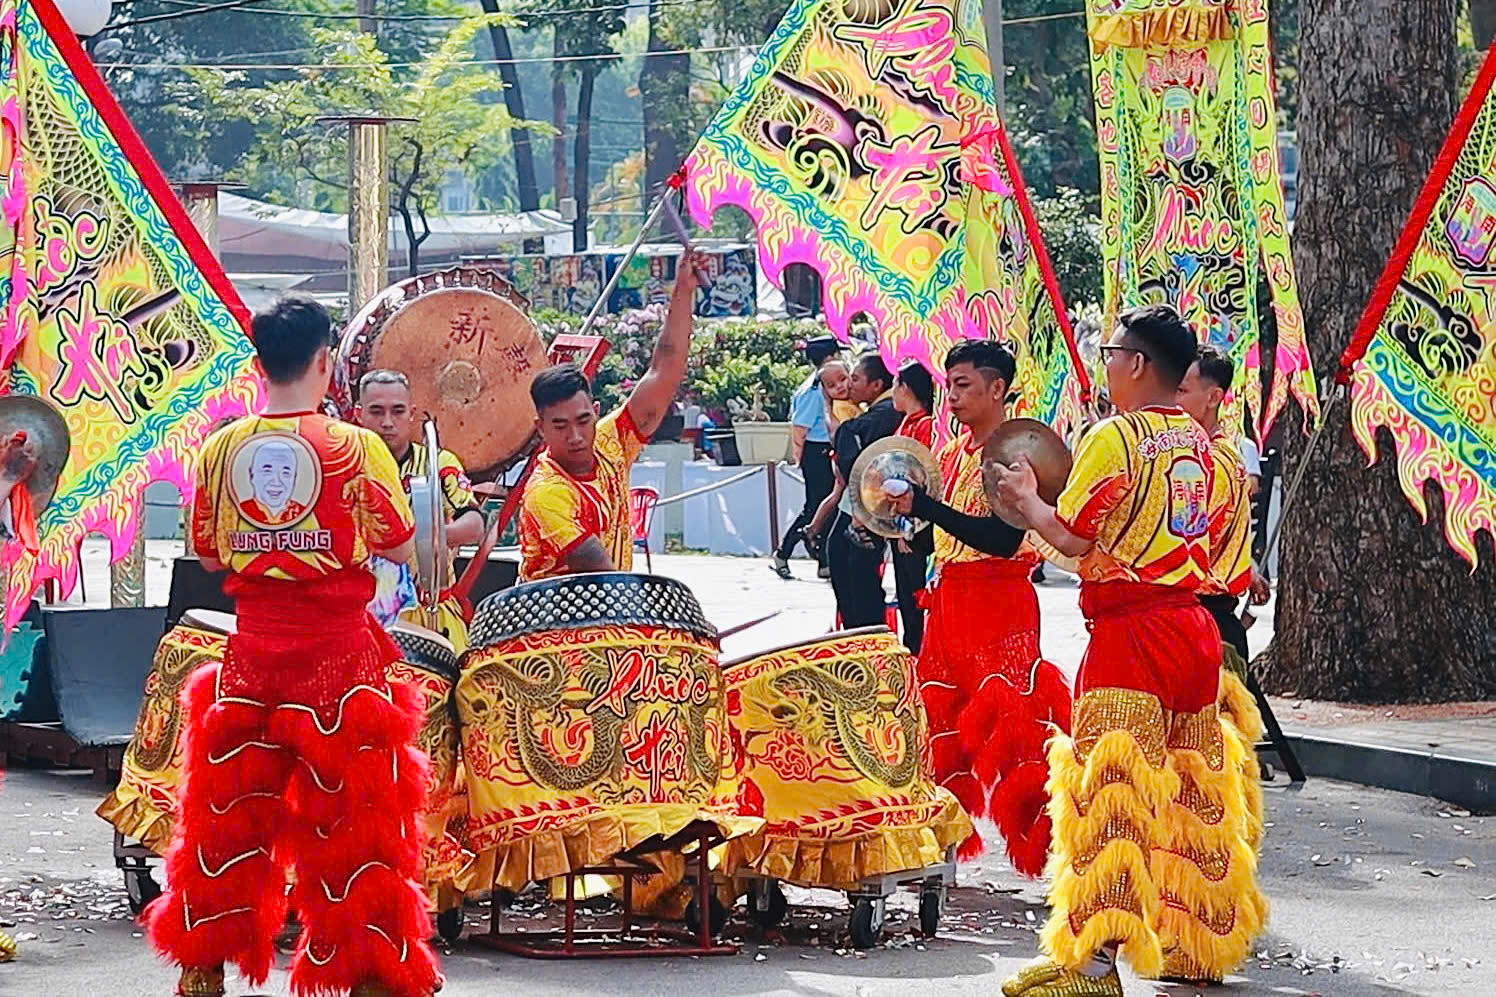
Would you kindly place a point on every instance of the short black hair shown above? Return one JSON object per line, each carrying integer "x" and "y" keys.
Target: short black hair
{"x": 287, "y": 336}
{"x": 874, "y": 369}
{"x": 1215, "y": 365}
{"x": 1169, "y": 340}
{"x": 557, "y": 384}
{"x": 821, "y": 349}
{"x": 986, "y": 356}
{"x": 917, "y": 379}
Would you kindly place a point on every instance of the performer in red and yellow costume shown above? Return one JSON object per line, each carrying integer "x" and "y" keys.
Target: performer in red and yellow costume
{"x": 1150, "y": 854}
{"x": 298, "y": 752}
{"x": 1231, "y": 576}
{"x": 574, "y": 513}
{"x": 384, "y": 407}
{"x": 990, "y": 697}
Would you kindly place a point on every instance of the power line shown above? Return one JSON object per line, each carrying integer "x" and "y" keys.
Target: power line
{"x": 590, "y": 57}
{"x": 198, "y": 8}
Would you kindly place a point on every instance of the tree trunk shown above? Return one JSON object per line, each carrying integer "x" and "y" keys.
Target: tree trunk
{"x": 514, "y": 102}
{"x": 1483, "y": 22}
{"x": 665, "y": 96}
{"x": 581, "y": 181}
{"x": 558, "y": 118}
{"x": 1373, "y": 606}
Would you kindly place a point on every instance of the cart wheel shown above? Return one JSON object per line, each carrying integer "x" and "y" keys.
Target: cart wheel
{"x": 930, "y": 903}
{"x": 449, "y": 924}
{"x": 140, "y": 888}
{"x": 719, "y": 917}
{"x": 774, "y": 905}
{"x": 867, "y": 921}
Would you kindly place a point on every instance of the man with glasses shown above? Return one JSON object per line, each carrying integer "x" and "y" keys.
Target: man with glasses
{"x": 1150, "y": 840}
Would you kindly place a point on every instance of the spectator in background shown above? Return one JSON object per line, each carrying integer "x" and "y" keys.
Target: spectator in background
{"x": 810, "y": 448}
{"x": 914, "y": 397}
{"x": 854, "y": 554}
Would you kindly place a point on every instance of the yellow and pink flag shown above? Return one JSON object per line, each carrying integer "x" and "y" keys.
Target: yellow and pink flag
{"x": 1422, "y": 364}
{"x": 865, "y": 143}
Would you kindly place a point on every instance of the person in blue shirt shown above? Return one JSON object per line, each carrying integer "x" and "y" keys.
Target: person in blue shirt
{"x": 810, "y": 447}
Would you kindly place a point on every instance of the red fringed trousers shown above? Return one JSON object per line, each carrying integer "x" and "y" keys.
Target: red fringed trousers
{"x": 991, "y": 700}
{"x": 301, "y": 756}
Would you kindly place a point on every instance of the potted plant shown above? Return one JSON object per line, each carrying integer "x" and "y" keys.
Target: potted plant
{"x": 756, "y": 392}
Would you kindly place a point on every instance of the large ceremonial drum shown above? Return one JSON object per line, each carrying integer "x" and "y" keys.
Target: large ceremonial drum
{"x": 832, "y": 734}
{"x": 143, "y": 805}
{"x": 462, "y": 338}
{"x": 593, "y": 718}
{"x": 429, "y": 665}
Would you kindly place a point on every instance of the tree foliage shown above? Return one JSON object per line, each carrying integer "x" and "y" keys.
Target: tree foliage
{"x": 460, "y": 123}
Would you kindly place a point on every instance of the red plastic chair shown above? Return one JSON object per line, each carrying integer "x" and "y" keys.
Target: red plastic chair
{"x": 641, "y": 512}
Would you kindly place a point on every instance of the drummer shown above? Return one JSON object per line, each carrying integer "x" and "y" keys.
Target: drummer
{"x": 574, "y": 514}
{"x": 384, "y": 406}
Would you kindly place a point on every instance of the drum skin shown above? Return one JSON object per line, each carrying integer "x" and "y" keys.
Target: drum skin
{"x": 463, "y": 340}
{"x": 832, "y": 733}
{"x": 143, "y": 805}
{"x": 593, "y": 717}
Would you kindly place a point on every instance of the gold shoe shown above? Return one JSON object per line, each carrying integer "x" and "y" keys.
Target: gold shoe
{"x": 1046, "y": 979}
{"x": 201, "y": 982}
{"x": 1180, "y": 968}
{"x": 8, "y": 948}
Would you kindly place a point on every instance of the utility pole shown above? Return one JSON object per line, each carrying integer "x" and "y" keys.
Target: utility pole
{"x": 366, "y": 22}
{"x": 992, "y": 22}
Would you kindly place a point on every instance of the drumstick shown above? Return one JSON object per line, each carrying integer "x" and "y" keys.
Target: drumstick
{"x": 703, "y": 280}
{"x": 744, "y": 626}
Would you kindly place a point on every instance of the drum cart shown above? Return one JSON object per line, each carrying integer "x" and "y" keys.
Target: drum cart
{"x": 626, "y": 941}
{"x": 767, "y": 905}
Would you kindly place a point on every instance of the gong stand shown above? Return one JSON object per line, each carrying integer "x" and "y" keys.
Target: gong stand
{"x": 625, "y": 941}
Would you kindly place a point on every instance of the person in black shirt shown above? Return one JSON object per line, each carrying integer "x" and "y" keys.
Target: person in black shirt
{"x": 855, "y": 555}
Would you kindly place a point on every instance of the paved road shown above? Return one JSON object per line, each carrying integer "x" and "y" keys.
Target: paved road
{"x": 1372, "y": 892}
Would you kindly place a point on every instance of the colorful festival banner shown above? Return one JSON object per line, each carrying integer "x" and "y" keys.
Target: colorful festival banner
{"x": 112, "y": 308}
{"x": 865, "y": 143}
{"x": 1191, "y": 201}
{"x": 1422, "y": 363}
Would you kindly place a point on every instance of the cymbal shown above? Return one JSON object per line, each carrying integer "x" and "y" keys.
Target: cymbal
{"x": 47, "y": 432}
{"x": 1045, "y": 450}
{"x": 893, "y": 457}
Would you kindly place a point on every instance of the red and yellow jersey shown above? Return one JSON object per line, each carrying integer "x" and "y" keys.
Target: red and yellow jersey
{"x": 559, "y": 511}
{"x": 960, "y": 463}
{"x": 918, "y": 426}
{"x": 1141, "y": 490}
{"x": 296, "y": 497}
{"x": 1230, "y": 521}
{"x": 456, "y": 488}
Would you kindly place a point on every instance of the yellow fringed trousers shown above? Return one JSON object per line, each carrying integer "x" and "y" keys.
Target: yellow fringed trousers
{"x": 1155, "y": 829}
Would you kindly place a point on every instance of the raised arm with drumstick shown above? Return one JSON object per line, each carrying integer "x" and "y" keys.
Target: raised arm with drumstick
{"x": 574, "y": 515}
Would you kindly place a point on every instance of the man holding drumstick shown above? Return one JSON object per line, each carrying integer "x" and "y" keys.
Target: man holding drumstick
{"x": 384, "y": 407}
{"x": 574, "y": 513}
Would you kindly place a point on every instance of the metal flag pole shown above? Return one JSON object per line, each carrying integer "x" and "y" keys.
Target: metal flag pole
{"x": 1298, "y": 475}
{"x": 628, "y": 257}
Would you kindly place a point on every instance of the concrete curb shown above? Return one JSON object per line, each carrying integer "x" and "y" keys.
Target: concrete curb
{"x": 1444, "y": 775}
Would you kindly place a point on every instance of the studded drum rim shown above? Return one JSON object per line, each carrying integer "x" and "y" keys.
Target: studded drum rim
{"x": 426, "y": 653}
{"x": 575, "y": 601}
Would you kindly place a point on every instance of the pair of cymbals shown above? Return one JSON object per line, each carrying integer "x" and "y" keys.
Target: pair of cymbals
{"x": 1046, "y": 453}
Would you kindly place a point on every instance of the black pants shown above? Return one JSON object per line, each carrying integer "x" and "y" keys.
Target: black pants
{"x": 909, "y": 572}
{"x": 1222, "y": 609}
{"x": 854, "y": 576}
{"x": 815, "y": 467}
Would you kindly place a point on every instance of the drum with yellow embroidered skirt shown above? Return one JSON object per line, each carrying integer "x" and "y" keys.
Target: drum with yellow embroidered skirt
{"x": 430, "y": 665}
{"x": 143, "y": 805}
{"x": 593, "y": 718}
{"x": 832, "y": 734}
